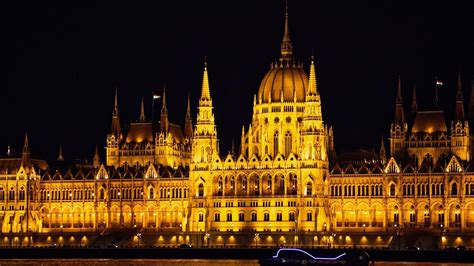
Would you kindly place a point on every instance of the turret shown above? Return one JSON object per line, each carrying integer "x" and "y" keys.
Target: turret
{"x": 399, "y": 127}
{"x": 205, "y": 134}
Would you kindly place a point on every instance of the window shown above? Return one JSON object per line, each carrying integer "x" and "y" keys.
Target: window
{"x": 219, "y": 187}
{"x": 201, "y": 190}
{"x": 151, "y": 194}
{"x": 217, "y": 217}
{"x": 287, "y": 144}
{"x": 201, "y": 217}
{"x": 266, "y": 217}
{"x": 292, "y": 216}
{"x": 392, "y": 190}
{"x": 232, "y": 183}
{"x": 412, "y": 218}
{"x": 454, "y": 189}
{"x": 229, "y": 217}
{"x": 254, "y": 216}
{"x": 279, "y": 217}
{"x": 241, "y": 217}
{"x": 309, "y": 216}
{"x": 396, "y": 218}
{"x": 22, "y": 193}
{"x": 2, "y": 194}
{"x": 11, "y": 195}
{"x": 309, "y": 189}
{"x": 275, "y": 144}
{"x": 426, "y": 217}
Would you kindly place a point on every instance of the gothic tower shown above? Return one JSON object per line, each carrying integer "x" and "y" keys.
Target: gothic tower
{"x": 399, "y": 127}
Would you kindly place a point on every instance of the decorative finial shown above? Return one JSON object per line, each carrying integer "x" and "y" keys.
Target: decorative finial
{"x": 205, "y": 61}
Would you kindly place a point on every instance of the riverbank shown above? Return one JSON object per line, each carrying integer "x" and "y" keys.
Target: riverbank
{"x": 218, "y": 254}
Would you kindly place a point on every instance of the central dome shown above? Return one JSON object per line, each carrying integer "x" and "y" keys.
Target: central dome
{"x": 285, "y": 79}
{"x": 289, "y": 81}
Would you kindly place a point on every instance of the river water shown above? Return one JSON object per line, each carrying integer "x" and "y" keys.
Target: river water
{"x": 171, "y": 262}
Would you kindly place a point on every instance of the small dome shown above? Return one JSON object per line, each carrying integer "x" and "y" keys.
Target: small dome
{"x": 290, "y": 79}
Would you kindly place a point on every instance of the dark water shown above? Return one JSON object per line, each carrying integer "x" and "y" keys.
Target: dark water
{"x": 171, "y": 262}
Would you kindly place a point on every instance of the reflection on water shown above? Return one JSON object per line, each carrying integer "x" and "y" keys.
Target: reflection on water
{"x": 173, "y": 262}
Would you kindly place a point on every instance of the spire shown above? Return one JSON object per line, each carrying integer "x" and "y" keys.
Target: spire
{"x": 459, "y": 116}
{"x": 414, "y": 105}
{"x": 115, "y": 128}
{"x": 164, "y": 113}
{"x": 205, "y": 91}
{"x": 96, "y": 160}
{"x": 60, "y": 154}
{"x": 382, "y": 153}
{"x": 436, "y": 91}
{"x": 286, "y": 46}
{"x": 164, "y": 108}
{"x": 188, "y": 121}
{"x": 25, "y": 156}
{"x": 399, "y": 113}
{"x": 142, "y": 111}
{"x": 312, "y": 86}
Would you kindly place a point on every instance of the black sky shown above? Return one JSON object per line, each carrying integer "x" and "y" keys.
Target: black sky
{"x": 60, "y": 62}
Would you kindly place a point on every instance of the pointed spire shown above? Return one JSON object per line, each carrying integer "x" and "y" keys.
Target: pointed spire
{"x": 25, "y": 156}
{"x": 164, "y": 113}
{"x": 164, "y": 108}
{"x": 312, "y": 86}
{"x": 188, "y": 121}
{"x": 459, "y": 116}
{"x": 116, "y": 110}
{"x": 414, "y": 105}
{"x": 115, "y": 128}
{"x": 286, "y": 45}
{"x": 96, "y": 160}
{"x": 436, "y": 91}
{"x": 60, "y": 154}
{"x": 382, "y": 153}
{"x": 142, "y": 111}
{"x": 399, "y": 113}
{"x": 205, "y": 91}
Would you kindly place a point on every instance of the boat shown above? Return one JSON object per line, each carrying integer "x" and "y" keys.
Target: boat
{"x": 296, "y": 256}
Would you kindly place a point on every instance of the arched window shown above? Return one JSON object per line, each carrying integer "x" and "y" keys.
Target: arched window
{"x": 219, "y": 186}
{"x": 454, "y": 189}
{"x": 288, "y": 143}
{"x": 392, "y": 190}
{"x": 257, "y": 185}
{"x": 2, "y": 194}
{"x": 22, "y": 193}
{"x": 293, "y": 181}
{"x": 269, "y": 183}
{"x": 309, "y": 189}
{"x": 11, "y": 195}
{"x": 232, "y": 183}
{"x": 151, "y": 194}
{"x": 275, "y": 144}
{"x": 201, "y": 190}
{"x": 101, "y": 194}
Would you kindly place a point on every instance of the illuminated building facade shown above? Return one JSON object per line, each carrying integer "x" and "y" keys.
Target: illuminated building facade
{"x": 285, "y": 182}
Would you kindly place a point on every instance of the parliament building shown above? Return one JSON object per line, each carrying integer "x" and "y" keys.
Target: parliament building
{"x": 163, "y": 184}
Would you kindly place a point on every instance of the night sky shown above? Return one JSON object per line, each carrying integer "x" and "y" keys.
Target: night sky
{"x": 60, "y": 63}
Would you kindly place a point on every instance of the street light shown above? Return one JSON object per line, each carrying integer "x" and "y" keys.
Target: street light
{"x": 257, "y": 235}
{"x": 208, "y": 237}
